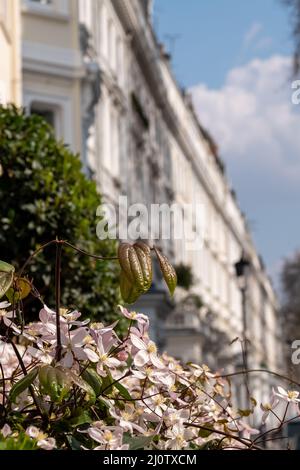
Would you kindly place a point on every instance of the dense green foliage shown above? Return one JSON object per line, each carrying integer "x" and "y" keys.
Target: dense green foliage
{"x": 185, "y": 276}
{"x": 43, "y": 195}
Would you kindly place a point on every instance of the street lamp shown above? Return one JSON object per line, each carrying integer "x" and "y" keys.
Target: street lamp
{"x": 241, "y": 267}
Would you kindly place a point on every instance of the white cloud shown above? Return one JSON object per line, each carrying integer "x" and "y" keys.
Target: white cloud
{"x": 255, "y": 39}
{"x": 257, "y": 129}
{"x": 253, "y": 118}
{"x": 252, "y": 33}
{"x": 264, "y": 43}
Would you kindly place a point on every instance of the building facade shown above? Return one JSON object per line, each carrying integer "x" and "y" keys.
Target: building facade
{"x": 95, "y": 70}
{"x": 52, "y": 65}
{"x": 149, "y": 145}
{"x": 10, "y": 43}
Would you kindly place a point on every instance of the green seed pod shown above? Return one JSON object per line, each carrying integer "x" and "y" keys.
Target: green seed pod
{"x": 144, "y": 255}
{"x": 123, "y": 255}
{"x": 136, "y": 270}
{"x": 54, "y": 382}
{"x": 128, "y": 291}
{"x": 168, "y": 271}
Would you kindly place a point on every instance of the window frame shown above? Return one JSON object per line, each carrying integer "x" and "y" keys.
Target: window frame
{"x": 63, "y": 108}
{"x": 48, "y": 107}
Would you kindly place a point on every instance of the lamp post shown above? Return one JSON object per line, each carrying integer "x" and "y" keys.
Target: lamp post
{"x": 241, "y": 272}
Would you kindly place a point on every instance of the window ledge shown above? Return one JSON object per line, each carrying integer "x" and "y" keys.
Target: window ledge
{"x": 47, "y": 11}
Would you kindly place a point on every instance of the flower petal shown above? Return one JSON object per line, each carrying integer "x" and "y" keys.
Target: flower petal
{"x": 137, "y": 342}
{"x": 141, "y": 358}
{"x": 78, "y": 336}
{"x": 68, "y": 360}
{"x": 112, "y": 362}
{"x": 92, "y": 356}
{"x": 6, "y": 430}
{"x": 282, "y": 391}
{"x": 96, "y": 435}
{"x": 156, "y": 361}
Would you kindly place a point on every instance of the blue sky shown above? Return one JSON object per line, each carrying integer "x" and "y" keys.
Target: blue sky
{"x": 212, "y": 35}
{"x": 235, "y": 58}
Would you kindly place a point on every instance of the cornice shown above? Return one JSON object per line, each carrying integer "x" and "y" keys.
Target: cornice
{"x": 51, "y": 60}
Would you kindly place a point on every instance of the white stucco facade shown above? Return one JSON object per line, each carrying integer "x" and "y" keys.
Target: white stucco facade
{"x": 148, "y": 144}
{"x": 10, "y": 43}
{"x": 52, "y": 65}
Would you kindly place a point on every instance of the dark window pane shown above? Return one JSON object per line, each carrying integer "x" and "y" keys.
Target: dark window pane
{"x": 42, "y": 2}
{"x": 47, "y": 114}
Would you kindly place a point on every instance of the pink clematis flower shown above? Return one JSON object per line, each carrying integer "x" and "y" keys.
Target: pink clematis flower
{"x": 6, "y": 317}
{"x": 43, "y": 441}
{"x": 73, "y": 346}
{"x": 156, "y": 402}
{"x": 155, "y": 376}
{"x": 71, "y": 317}
{"x": 268, "y": 407}
{"x": 290, "y": 396}
{"x": 42, "y": 354}
{"x": 110, "y": 437}
{"x": 126, "y": 418}
{"x": 104, "y": 340}
{"x": 146, "y": 352}
{"x": 6, "y": 430}
{"x": 247, "y": 431}
{"x": 134, "y": 316}
{"x": 178, "y": 437}
{"x": 46, "y": 327}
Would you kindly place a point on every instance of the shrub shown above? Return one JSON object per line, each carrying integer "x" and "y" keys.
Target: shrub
{"x": 43, "y": 195}
{"x": 185, "y": 276}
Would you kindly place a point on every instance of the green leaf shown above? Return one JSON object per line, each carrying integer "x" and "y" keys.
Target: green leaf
{"x": 20, "y": 290}
{"x": 82, "y": 418}
{"x": 103, "y": 405}
{"x": 253, "y": 401}
{"x": 222, "y": 421}
{"x": 123, "y": 391}
{"x": 20, "y": 442}
{"x": 136, "y": 443}
{"x": 22, "y": 384}
{"x": 74, "y": 443}
{"x": 93, "y": 379}
{"x": 6, "y": 277}
{"x": 211, "y": 445}
{"x": 107, "y": 383}
{"x": 244, "y": 413}
{"x": 54, "y": 381}
{"x": 90, "y": 393}
{"x": 206, "y": 432}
